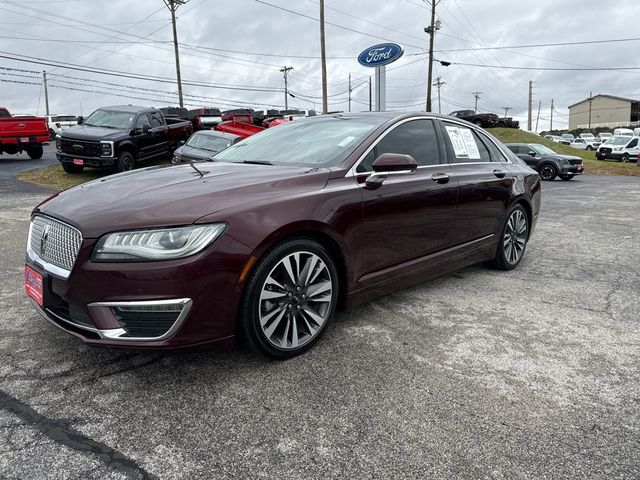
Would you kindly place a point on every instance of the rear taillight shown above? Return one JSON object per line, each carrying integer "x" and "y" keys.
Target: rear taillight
{"x": 197, "y": 121}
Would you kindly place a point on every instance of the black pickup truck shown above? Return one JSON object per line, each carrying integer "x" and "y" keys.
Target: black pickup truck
{"x": 117, "y": 137}
{"x": 484, "y": 120}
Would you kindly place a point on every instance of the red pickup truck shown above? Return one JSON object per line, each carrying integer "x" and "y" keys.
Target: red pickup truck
{"x": 22, "y": 134}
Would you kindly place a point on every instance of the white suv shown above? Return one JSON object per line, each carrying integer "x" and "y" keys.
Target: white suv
{"x": 57, "y": 123}
{"x": 585, "y": 143}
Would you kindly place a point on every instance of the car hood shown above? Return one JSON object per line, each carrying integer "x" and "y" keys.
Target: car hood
{"x": 176, "y": 195}
{"x": 84, "y": 132}
{"x": 195, "y": 153}
{"x": 567, "y": 157}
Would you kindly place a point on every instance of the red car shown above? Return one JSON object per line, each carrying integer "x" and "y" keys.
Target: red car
{"x": 280, "y": 230}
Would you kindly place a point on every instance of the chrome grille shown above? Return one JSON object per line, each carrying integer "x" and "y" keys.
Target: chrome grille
{"x": 54, "y": 242}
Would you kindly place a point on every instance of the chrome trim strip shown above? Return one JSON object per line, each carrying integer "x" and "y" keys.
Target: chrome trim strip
{"x": 110, "y": 142}
{"x": 116, "y": 334}
{"x": 352, "y": 171}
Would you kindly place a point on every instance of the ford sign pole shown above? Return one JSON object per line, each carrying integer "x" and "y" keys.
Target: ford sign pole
{"x": 378, "y": 56}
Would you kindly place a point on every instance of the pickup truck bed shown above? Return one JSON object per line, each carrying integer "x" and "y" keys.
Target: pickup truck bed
{"x": 22, "y": 134}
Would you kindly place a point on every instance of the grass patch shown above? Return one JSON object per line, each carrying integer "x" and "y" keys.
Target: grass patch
{"x": 54, "y": 176}
{"x": 592, "y": 165}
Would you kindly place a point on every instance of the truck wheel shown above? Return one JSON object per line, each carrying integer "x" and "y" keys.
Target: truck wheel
{"x": 126, "y": 162}
{"x": 71, "y": 168}
{"x": 52, "y": 135}
{"x": 35, "y": 152}
{"x": 547, "y": 172}
{"x": 625, "y": 158}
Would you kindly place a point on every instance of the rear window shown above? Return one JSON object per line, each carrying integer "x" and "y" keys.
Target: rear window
{"x": 64, "y": 118}
{"x": 4, "y": 113}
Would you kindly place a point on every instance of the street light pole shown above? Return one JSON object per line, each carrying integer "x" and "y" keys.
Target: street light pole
{"x": 325, "y": 106}
{"x": 477, "y": 97}
{"x": 173, "y": 5}
{"x": 431, "y": 30}
{"x": 438, "y": 84}
{"x": 285, "y": 71}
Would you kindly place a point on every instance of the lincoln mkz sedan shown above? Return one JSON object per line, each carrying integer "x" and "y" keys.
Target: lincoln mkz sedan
{"x": 265, "y": 243}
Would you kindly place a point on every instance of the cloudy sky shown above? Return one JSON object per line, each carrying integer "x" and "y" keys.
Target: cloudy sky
{"x": 232, "y": 51}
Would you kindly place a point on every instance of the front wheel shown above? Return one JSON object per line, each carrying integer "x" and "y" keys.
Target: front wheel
{"x": 126, "y": 162}
{"x": 589, "y": 147}
{"x": 513, "y": 239}
{"x": 625, "y": 158}
{"x": 548, "y": 172}
{"x": 35, "y": 153}
{"x": 290, "y": 299}
{"x": 566, "y": 178}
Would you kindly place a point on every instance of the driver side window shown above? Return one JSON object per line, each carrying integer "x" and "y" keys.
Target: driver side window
{"x": 141, "y": 121}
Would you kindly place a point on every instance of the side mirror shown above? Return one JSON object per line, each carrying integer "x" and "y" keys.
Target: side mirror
{"x": 80, "y": 120}
{"x": 181, "y": 142}
{"x": 532, "y": 153}
{"x": 146, "y": 129}
{"x": 389, "y": 164}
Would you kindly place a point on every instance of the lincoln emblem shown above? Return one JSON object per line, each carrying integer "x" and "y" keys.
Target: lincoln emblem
{"x": 43, "y": 240}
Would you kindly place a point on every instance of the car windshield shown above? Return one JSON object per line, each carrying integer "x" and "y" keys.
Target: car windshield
{"x": 618, "y": 140}
{"x": 208, "y": 142}
{"x": 542, "y": 150}
{"x": 110, "y": 119}
{"x": 320, "y": 142}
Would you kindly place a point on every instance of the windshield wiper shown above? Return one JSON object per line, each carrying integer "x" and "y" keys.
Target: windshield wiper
{"x": 256, "y": 162}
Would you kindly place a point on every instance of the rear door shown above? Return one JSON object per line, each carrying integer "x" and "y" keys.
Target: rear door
{"x": 409, "y": 216}
{"x": 159, "y": 134}
{"x": 484, "y": 183}
{"x": 144, "y": 141}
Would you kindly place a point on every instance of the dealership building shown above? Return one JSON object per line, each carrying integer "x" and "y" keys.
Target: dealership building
{"x": 606, "y": 111}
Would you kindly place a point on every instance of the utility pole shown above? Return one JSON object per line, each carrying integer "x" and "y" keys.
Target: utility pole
{"x": 369, "y": 93}
{"x": 349, "y": 92}
{"x": 477, "y": 97}
{"x": 285, "y": 71}
{"x": 46, "y": 91}
{"x": 325, "y": 106}
{"x": 538, "y": 117}
{"x": 431, "y": 30}
{"x": 530, "y": 105}
{"x": 551, "y": 121}
{"x": 506, "y": 111}
{"x": 438, "y": 84}
{"x": 173, "y": 5}
{"x": 590, "y": 101}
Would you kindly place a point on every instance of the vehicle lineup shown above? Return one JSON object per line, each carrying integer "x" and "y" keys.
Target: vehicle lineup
{"x": 267, "y": 241}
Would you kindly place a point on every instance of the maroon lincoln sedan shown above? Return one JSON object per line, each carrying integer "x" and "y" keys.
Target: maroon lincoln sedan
{"x": 265, "y": 242}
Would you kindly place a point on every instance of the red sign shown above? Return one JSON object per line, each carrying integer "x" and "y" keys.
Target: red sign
{"x": 78, "y": 161}
{"x": 33, "y": 284}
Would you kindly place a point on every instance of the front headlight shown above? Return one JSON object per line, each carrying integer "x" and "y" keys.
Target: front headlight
{"x": 58, "y": 142}
{"x": 156, "y": 244}
{"x": 106, "y": 149}
{"x": 617, "y": 149}
{"x": 176, "y": 158}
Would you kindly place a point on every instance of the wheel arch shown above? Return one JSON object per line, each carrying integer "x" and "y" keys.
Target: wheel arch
{"x": 128, "y": 147}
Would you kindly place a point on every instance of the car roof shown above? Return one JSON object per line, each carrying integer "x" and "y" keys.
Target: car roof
{"x": 127, "y": 108}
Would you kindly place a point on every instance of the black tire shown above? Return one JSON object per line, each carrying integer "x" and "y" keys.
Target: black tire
{"x": 502, "y": 260}
{"x": 566, "y": 178}
{"x": 291, "y": 305}
{"x": 126, "y": 162}
{"x": 625, "y": 158}
{"x": 52, "y": 135}
{"x": 589, "y": 147}
{"x": 478, "y": 123}
{"x": 547, "y": 172}
{"x": 35, "y": 153}
{"x": 71, "y": 168}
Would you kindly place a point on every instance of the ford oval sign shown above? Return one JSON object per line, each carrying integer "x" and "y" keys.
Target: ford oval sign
{"x": 381, "y": 54}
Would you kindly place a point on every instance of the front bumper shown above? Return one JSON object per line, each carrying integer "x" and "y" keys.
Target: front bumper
{"x": 612, "y": 155}
{"x": 97, "y": 162}
{"x": 159, "y": 305}
{"x": 572, "y": 169}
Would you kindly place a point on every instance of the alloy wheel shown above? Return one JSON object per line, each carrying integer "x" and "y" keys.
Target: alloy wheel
{"x": 515, "y": 237}
{"x": 295, "y": 300}
{"x": 547, "y": 172}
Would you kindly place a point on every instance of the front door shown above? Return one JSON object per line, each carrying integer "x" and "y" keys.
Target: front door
{"x": 409, "y": 216}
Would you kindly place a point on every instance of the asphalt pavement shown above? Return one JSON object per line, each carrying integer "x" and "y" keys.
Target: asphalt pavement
{"x": 533, "y": 373}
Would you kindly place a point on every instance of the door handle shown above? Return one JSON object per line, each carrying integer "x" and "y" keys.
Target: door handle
{"x": 499, "y": 173}
{"x": 440, "y": 177}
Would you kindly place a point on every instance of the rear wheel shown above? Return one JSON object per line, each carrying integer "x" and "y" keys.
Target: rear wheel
{"x": 513, "y": 239}
{"x": 290, "y": 299}
{"x": 35, "y": 152}
{"x": 52, "y": 135}
{"x": 625, "y": 158}
{"x": 71, "y": 168}
{"x": 548, "y": 172}
{"x": 126, "y": 162}
{"x": 589, "y": 147}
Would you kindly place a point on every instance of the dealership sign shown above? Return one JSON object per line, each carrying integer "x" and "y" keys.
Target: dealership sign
{"x": 381, "y": 54}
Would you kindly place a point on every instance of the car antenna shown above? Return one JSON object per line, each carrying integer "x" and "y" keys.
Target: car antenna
{"x": 200, "y": 172}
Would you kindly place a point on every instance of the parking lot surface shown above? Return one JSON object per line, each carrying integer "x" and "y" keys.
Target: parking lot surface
{"x": 532, "y": 373}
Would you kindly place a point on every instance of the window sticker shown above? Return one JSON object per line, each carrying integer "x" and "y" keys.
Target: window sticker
{"x": 470, "y": 142}
{"x": 459, "y": 145}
